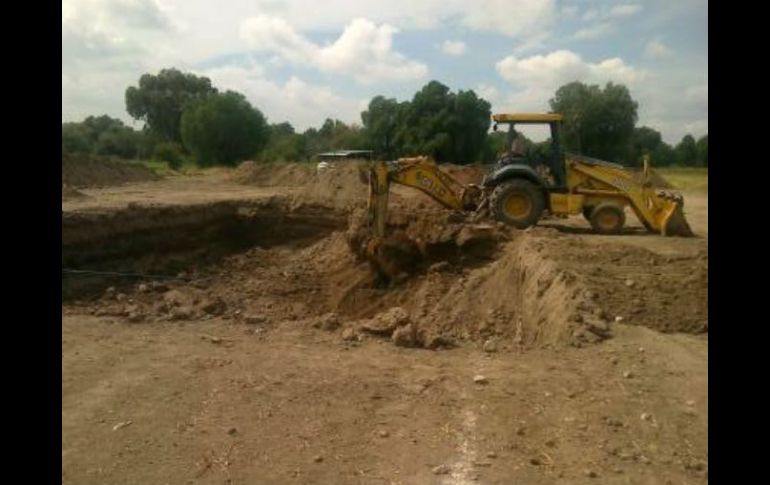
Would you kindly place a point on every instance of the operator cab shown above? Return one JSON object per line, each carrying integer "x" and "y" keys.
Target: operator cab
{"x": 549, "y": 169}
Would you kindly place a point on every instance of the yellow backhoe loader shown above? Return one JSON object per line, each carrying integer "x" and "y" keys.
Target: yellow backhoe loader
{"x": 523, "y": 187}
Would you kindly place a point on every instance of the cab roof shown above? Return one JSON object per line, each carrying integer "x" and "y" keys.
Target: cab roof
{"x": 527, "y": 117}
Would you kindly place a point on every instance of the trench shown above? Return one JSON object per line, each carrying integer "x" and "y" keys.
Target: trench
{"x": 285, "y": 263}
{"x": 164, "y": 241}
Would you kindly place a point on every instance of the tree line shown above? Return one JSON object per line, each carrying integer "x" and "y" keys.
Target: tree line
{"x": 185, "y": 117}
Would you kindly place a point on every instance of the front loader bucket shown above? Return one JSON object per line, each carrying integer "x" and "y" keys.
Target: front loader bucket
{"x": 675, "y": 223}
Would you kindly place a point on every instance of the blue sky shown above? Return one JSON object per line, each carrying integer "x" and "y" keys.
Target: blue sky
{"x": 303, "y": 61}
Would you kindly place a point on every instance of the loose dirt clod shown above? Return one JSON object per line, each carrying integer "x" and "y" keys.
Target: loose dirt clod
{"x": 479, "y": 379}
{"x": 122, "y": 424}
{"x": 405, "y": 336}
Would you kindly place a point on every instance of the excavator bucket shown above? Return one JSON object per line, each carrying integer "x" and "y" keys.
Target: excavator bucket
{"x": 393, "y": 257}
{"x": 675, "y": 223}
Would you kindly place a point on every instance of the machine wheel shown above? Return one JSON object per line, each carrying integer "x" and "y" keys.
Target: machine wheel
{"x": 608, "y": 218}
{"x": 518, "y": 202}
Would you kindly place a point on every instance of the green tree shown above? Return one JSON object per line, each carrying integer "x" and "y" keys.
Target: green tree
{"x": 382, "y": 120}
{"x": 598, "y": 122}
{"x": 103, "y": 135}
{"x": 75, "y": 138}
{"x": 686, "y": 151}
{"x": 702, "y": 147}
{"x": 450, "y": 127}
{"x": 222, "y": 129}
{"x": 159, "y": 100}
{"x": 494, "y": 145}
{"x": 447, "y": 126}
{"x": 663, "y": 155}
{"x": 644, "y": 141}
{"x": 169, "y": 152}
{"x": 284, "y": 144}
{"x": 120, "y": 142}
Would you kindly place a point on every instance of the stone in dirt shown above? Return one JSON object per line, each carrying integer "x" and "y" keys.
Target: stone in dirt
{"x": 175, "y": 298}
{"x": 182, "y": 313}
{"x": 329, "y": 321}
{"x": 490, "y": 346}
{"x": 439, "y": 267}
{"x": 440, "y": 470}
{"x": 349, "y": 334}
{"x": 479, "y": 379}
{"x": 386, "y": 322}
{"x": 135, "y": 317}
{"x": 214, "y": 307}
{"x": 405, "y": 336}
{"x": 252, "y": 319}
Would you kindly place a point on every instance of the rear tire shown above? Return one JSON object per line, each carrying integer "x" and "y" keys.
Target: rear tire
{"x": 518, "y": 202}
{"x": 608, "y": 219}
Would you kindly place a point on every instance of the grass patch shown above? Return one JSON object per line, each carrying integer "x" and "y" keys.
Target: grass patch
{"x": 686, "y": 178}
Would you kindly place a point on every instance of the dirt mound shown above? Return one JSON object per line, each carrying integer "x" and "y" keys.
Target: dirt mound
{"x": 68, "y": 193}
{"x": 342, "y": 185}
{"x": 91, "y": 171}
{"x": 274, "y": 174}
{"x": 521, "y": 297}
{"x": 467, "y": 174}
{"x": 668, "y": 294}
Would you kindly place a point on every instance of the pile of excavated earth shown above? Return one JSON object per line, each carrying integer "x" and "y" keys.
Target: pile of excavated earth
{"x": 296, "y": 260}
{"x": 82, "y": 171}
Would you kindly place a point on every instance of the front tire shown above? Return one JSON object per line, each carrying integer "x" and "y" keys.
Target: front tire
{"x": 608, "y": 219}
{"x": 518, "y": 202}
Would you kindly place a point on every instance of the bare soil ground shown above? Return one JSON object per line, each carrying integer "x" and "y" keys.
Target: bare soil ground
{"x": 543, "y": 356}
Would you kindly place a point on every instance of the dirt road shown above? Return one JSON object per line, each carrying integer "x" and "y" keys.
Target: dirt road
{"x": 256, "y": 367}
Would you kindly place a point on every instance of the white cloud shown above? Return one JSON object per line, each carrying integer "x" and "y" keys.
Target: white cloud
{"x": 513, "y": 18}
{"x": 656, "y": 49}
{"x": 697, "y": 128}
{"x": 698, "y": 94}
{"x": 563, "y": 66}
{"x": 605, "y": 18}
{"x": 297, "y": 101}
{"x": 594, "y": 32}
{"x": 617, "y": 11}
{"x": 488, "y": 92}
{"x": 624, "y": 10}
{"x": 454, "y": 47}
{"x": 536, "y": 78}
{"x": 363, "y": 50}
{"x": 569, "y": 11}
{"x": 140, "y": 14}
{"x": 106, "y": 46}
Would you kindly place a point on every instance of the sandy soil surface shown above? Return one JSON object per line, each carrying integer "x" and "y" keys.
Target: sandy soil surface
{"x": 552, "y": 356}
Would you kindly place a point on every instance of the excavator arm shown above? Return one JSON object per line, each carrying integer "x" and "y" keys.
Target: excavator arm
{"x": 389, "y": 254}
{"x": 423, "y": 174}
